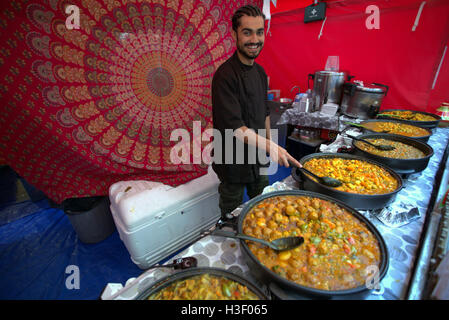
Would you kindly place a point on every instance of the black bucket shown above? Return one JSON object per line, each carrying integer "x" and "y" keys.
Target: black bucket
{"x": 90, "y": 217}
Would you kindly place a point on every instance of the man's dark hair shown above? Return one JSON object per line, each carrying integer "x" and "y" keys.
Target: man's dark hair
{"x": 248, "y": 10}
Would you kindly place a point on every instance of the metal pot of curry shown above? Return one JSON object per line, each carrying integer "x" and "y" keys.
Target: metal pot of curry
{"x": 341, "y": 252}
{"x": 408, "y": 156}
{"x": 417, "y": 118}
{"x": 204, "y": 283}
{"x": 366, "y": 184}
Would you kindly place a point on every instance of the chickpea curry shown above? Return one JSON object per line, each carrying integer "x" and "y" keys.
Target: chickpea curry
{"x": 410, "y": 115}
{"x": 205, "y": 287}
{"x": 400, "y": 151}
{"x": 357, "y": 176}
{"x": 396, "y": 128}
{"x": 337, "y": 248}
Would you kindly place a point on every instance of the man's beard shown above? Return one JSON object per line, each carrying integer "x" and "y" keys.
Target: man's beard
{"x": 248, "y": 55}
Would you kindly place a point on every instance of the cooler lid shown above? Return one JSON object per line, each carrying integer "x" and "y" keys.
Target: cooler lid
{"x": 138, "y": 203}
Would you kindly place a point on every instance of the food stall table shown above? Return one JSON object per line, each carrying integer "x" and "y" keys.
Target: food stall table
{"x": 403, "y": 239}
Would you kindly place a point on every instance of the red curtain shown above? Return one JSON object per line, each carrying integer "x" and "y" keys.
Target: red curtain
{"x": 406, "y": 61}
{"x": 84, "y": 108}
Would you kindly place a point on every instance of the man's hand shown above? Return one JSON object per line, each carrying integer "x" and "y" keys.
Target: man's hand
{"x": 281, "y": 156}
{"x": 276, "y": 152}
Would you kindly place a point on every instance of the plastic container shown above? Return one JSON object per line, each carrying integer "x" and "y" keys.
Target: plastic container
{"x": 305, "y": 105}
{"x": 90, "y": 217}
{"x": 332, "y": 63}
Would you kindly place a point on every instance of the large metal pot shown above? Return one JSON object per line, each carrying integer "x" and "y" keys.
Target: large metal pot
{"x": 357, "y": 201}
{"x": 422, "y": 124}
{"x": 273, "y": 280}
{"x": 362, "y": 101}
{"x": 185, "y": 274}
{"x": 327, "y": 87}
{"x": 401, "y": 166}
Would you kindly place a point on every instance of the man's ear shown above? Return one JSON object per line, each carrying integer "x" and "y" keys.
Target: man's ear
{"x": 234, "y": 34}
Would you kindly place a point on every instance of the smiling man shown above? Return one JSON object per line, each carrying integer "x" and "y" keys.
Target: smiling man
{"x": 239, "y": 104}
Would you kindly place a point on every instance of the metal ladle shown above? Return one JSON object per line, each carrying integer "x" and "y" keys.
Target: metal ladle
{"x": 281, "y": 244}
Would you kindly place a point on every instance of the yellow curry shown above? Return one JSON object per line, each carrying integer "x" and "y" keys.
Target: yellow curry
{"x": 337, "y": 247}
{"x": 205, "y": 287}
{"x": 357, "y": 176}
{"x": 400, "y": 151}
{"x": 396, "y": 128}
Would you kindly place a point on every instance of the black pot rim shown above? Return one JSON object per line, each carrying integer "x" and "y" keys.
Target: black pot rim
{"x": 384, "y": 263}
{"x": 195, "y": 271}
{"x": 350, "y": 156}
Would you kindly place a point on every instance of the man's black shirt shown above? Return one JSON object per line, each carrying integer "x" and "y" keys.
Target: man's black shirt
{"x": 239, "y": 94}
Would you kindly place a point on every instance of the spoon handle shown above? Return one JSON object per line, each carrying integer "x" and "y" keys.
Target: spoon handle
{"x": 306, "y": 171}
{"x": 394, "y": 116}
{"x": 387, "y": 115}
{"x": 311, "y": 173}
{"x": 362, "y": 140}
{"x": 228, "y": 234}
{"x": 354, "y": 124}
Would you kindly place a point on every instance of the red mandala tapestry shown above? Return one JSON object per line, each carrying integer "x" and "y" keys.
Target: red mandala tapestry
{"x": 84, "y": 107}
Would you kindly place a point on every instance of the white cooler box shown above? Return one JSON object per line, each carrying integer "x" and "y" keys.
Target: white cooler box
{"x": 155, "y": 220}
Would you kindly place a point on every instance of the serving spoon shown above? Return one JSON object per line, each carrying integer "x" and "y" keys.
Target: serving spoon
{"x": 382, "y": 147}
{"x": 281, "y": 244}
{"x": 328, "y": 181}
{"x": 360, "y": 126}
